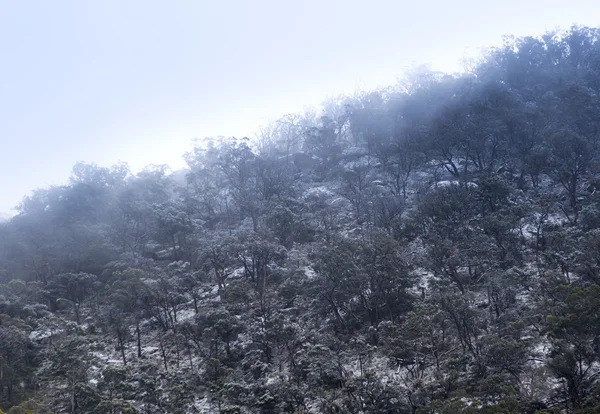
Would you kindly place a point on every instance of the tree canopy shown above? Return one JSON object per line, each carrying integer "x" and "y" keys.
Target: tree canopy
{"x": 430, "y": 247}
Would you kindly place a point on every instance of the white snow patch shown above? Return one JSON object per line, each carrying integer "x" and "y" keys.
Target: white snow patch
{"x": 451, "y": 183}
{"x": 185, "y": 314}
{"x": 424, "y": 278}
{"x": 309, "y": 272}
{"x": 43, "y": 334}
{"x": 237, "y": 273}
{"x": 203, "y": 406}
{"x": 107, "y": 359}
{"x": 320, "y": 191}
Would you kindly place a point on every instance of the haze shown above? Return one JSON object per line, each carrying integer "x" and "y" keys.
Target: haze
{"x": 138, "y": 80}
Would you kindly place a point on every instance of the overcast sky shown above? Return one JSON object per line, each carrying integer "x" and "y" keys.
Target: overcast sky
{"x": 136, "y": 80}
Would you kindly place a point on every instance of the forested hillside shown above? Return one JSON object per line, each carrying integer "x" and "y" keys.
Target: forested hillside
{"x": 432, "y": 247}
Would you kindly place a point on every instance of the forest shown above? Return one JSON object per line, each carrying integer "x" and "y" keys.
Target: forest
{"x": 431, "y": 247}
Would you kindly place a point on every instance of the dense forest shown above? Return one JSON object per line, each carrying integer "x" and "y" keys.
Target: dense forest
{"x": 432, "y": 247}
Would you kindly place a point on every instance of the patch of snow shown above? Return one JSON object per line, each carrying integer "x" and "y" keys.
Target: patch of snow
{"x": 424, "y": 278}
{"x": 43, "y": 334}
{"x": 271, "y": 380}
{"x": 339, "y": 201}
{"x": 149, "y": 350}
{"x": 237, "y": 273}
{"x": 363, "y": 161}
{"x": 556, "y": 219}
{"x": 540, "y": 351}
{"x": 106, "y": 359}
{"x": 309, "y": 272}
{"x": 451, "y": 183}
{"x": 185, "y": 314}
{"x": 354, "y": 151}
{"x": 203, "y": 406}
{"x": 320, "y": 191}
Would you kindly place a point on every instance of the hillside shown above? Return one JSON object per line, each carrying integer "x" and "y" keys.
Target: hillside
{"x": 432, "y": 247}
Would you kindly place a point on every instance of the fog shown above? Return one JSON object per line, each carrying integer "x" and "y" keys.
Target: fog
{"x": 377, "y": 216}
{"x": 138, "y": 80}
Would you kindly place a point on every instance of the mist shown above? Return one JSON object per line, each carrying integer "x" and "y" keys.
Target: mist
{"x": 137, "y": 81}
{"x": 300, "y": 208}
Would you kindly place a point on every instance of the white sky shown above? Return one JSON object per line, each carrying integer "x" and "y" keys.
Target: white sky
{"x": 136, "y": 80}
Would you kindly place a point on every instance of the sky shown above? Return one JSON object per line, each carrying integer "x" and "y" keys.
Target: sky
{"x": 103, "y": 81}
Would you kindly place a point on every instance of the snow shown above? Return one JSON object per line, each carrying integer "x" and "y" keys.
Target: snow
{"x": 540, "y": 351}
{"x": 424, "y": 278}
{"x": 106, "y": 359}
{"x": 38, "y": 335}
{"x": 309, "y": 272}
{"x": 185, "y": 314}
{"x": 363, "y": 161}
{"x": 149, "y": 349}
{"x": 354, "y": 151}
{"x": 556, "y": 219}
{"x": 320, "y": 191}
{"x": 450, "y": 183}
{"x": 204, "y": 406}
{"x": 237, "y": 273}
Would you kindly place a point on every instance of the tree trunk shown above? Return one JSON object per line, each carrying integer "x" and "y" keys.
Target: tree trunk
{"x": 122, "y": 346}
{"x": 77, "y": 317}
{"x": 164, "y": 355}
{"x": 72, "y": 400}
{"x": 189, "y": 349}
{"x": 139, "y": 339}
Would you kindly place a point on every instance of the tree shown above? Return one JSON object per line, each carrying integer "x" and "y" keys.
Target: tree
{"x": 287, "y": 219}
{"x": 362, "y": 281}
{"x": 404, "y": 159}
{"x": 131, "y": 224}
{"x": 72, "y": 288}
{"x": 207, "y": 193}
{"x": 574, "y": 331}
{"x": 290, "y": 132}
{"x": 173, "y": 227}
{"x": 16, "y": 354}
{"x": 127, "y": 294}
{"x": 571, "y": 158}
{"x": 187, "y": 280}
{"x": 219, "y": 327}
{"x": 214, "y": 257}
{"x": 322, "y": 141}
{"x": 357, "y": 182}
{"x": 114, "y": 389}
{"x": 116, "y": 321}
{"x": 255, "y": 254}
{"x": 237, "y": 163}
{"x": 69, "y": 365}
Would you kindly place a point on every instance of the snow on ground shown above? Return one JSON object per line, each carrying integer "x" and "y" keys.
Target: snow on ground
{"x": 107, "y": 359}
{"x": 540, "y": 351}
{"x": 556, "y": 219}
{"x": 185, "y": 314}
{"x": 149, "y": 350}
{"x": 204, "y": 406}
{"x": 40, "y": 334}
{"x": 363, "y": 161}
{"x": 453, "y": 183}
{"x": 320, "y": 191}
{"x": 309, "y": 272}
{"x": 237, "y": 273}
{"x": 359, "y": 151}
